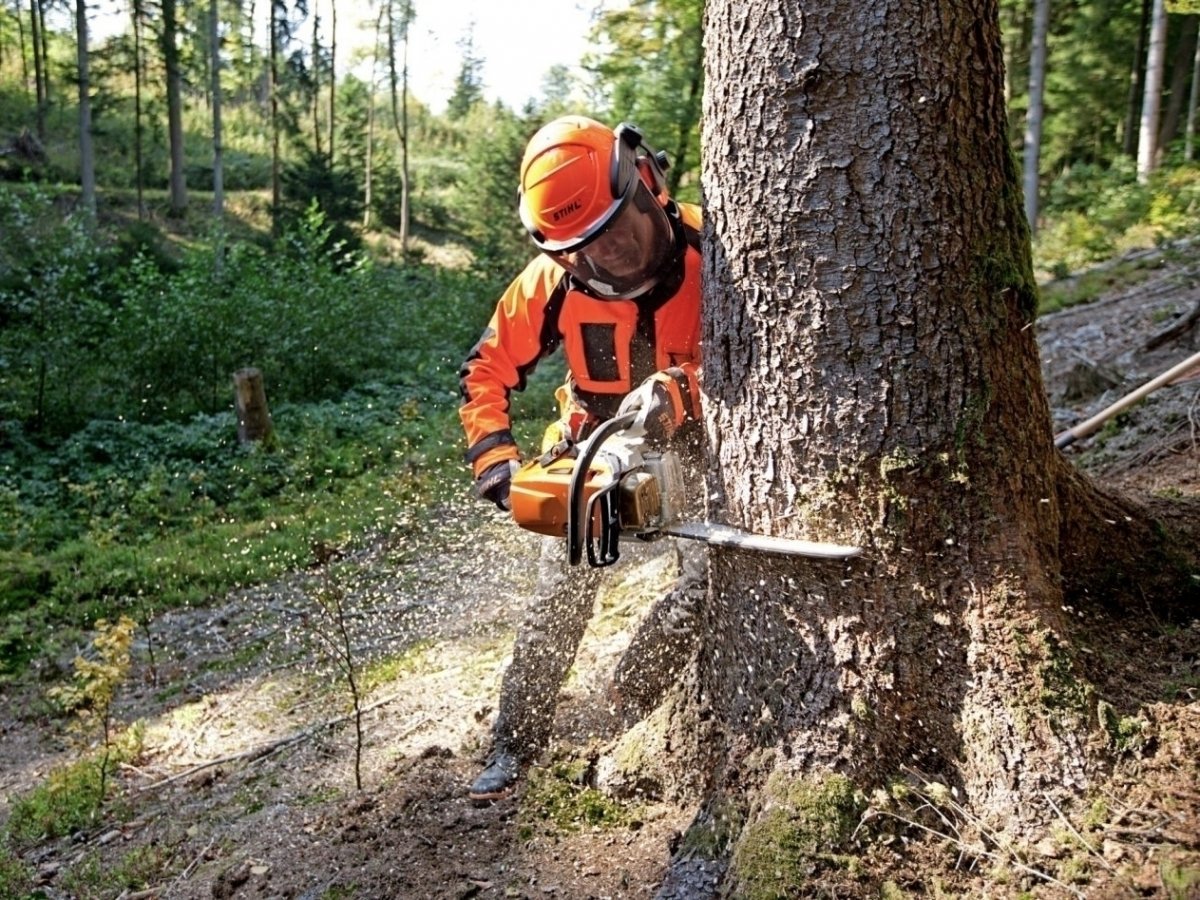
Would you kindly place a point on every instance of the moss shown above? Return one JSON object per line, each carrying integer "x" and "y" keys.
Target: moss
{"x": 559, "y": 796}
{"x": 1124, "y": 733}
{"x": 969, "y": 429}
{"x": 806, "y": 825}
{"x": 712, "y": 833}
{"x": 1179, "y": 881}
{"x": 1097, "y": 815}
{"x": 861, "y": 710}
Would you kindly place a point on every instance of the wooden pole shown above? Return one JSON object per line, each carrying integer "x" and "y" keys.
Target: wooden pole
{"x": 1083, "y": 429}
{"x": 250, "y": 401}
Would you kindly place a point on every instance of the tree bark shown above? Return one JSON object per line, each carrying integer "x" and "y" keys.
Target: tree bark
{"x": 871, "y": 377}
{"x": 140, "y": 175}
{"x": 273, "y": 91}
{"x": 1193, "y": 101}
{"x": 400, "y": 22}
{"x": 170, "y": 50}
{"x": 87, "y": 158}
{"x": 214, "y": 40}
{"x": 332, "y": 76}
{"x": 250, "y": 402}
{"x": 1033, "y": 119}
{"x": 1137, "y": 84}
{"x": 1147, "y": 157}
{"x": 39, "y": 67}
{"x": 1181, "y": 70}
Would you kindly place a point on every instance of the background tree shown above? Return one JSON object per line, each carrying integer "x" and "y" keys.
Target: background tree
{"x": 400, "y": 16}
{"x": 1033, "y": 119}
{"x": 87, "y": 157}
{"x": 1147, "y": 158}
{"x": 214, "y": 43}
{"x": 174, "y": 81}
{"x": 1193, "y": 102}
{"x": 40, "y": 68}
{"x": 871, "y": 377}
{"x": 468, "y": 85}
{"x": 653, "y": 76}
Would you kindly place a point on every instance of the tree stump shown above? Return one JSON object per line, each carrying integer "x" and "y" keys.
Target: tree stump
{"x": 250, "y": 401}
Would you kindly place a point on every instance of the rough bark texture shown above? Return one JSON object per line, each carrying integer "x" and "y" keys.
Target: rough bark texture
{"x": 871, "y": 377}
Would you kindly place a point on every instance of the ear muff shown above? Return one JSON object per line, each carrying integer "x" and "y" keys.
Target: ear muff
{"x": 650, "y": 166}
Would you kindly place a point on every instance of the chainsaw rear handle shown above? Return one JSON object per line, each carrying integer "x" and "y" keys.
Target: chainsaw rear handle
{"x": 577, "y": 515}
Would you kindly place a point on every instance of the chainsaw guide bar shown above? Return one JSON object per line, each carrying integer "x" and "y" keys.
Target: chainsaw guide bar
{"x": 727, "y": 536}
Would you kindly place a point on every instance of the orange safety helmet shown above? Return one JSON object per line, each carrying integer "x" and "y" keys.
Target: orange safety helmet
{"x": 596, "y": 205}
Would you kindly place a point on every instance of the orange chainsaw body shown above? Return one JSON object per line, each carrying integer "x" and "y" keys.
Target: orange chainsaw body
{"x": 539, "y": 494}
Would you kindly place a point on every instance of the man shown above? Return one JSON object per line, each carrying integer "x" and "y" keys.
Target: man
{"x": 617, "y": 284}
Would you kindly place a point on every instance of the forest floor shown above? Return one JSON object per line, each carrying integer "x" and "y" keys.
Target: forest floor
{"x": 246, "y": 783}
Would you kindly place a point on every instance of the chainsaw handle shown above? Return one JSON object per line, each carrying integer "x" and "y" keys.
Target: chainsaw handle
{"x": 576, "y": 514}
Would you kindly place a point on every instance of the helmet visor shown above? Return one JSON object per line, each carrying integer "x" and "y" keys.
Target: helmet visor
{"x": 625, "y": 256}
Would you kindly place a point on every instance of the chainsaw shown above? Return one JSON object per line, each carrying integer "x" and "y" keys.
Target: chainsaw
{"x": 611, "y": 484}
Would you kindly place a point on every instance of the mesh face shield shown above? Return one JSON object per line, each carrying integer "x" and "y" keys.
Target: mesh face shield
{"x": 623, "y": 254}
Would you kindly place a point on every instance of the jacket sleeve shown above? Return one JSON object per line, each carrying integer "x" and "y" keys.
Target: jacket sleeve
{"x": 519, "y": 334}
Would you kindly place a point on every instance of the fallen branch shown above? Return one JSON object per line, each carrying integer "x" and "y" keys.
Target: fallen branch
{"x": 253, "y": 754}
{"x": 1176, "y": 372}
{"x": 1178, "y": 329}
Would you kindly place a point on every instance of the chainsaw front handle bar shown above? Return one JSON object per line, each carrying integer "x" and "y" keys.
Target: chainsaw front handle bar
{"x": 576, "y": 513}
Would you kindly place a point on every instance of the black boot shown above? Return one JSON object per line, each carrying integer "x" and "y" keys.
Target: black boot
{"x": 497, "y": 778}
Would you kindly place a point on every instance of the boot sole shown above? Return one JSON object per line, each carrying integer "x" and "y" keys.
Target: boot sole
{"x": 487, "y": 796}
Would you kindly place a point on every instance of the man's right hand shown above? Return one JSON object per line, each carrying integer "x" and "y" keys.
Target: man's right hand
{"x": 495, "y": 482}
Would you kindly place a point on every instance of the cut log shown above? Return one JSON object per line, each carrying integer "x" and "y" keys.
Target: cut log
{"x": 250, "y": 401}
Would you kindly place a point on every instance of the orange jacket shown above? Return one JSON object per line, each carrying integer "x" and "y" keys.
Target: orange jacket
{"x": 611, "y": 346}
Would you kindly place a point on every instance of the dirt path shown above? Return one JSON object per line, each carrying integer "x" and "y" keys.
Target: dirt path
{"x": 224, "y": 803}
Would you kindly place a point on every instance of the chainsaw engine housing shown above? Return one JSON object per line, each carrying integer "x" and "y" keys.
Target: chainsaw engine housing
{"x": 650, "y": 490}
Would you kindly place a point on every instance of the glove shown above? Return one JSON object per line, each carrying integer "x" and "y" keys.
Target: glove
{"x": 664, "y": 402}
{"x": 495, "y": 481}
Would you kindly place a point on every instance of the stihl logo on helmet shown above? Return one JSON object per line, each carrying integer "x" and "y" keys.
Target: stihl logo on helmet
{"x": 572, "y": 207}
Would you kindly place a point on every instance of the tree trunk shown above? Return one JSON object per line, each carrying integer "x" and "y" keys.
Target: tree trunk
{"x": 250, "y": 403}
{"x": 39, "y": 67}
{"x": 370, "y": 151}
{"x": 316, "y": 80}
{"x": 21, "y": 46}
{"x": 332, "y": 76}
{"x": 87, "y": 158}
{"x": 214, "y": 40}
{"x": 1193, "y": 100}
{"x": 400, "y": 107}
{"x": 170, "y": 50}
{"x": 1147, "y": 158}
{"x": 140, "y": 175}
{"x": 273, "y": 91}
{"x": 1181, "y": 70}
{"x": 1033, "y": 120}
{"x": 871, "y": 377}
{"x": 1137, "y": 84}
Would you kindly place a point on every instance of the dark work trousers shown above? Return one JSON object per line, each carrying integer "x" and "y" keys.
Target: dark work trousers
{"x": 553, "y": 627}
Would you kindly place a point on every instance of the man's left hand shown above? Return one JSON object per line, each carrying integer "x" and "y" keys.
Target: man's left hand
{"x": 664, "y": 402}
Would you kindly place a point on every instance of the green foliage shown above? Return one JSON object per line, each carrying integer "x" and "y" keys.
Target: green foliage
{"x": 1096, "y": 212}
{"x": 66, "y": 801}
{"x": 468, "y": 84}
{"x": 97, "y": 877}
{"x": 16, "y": 878}
{"x": 87, "y": 337}
{"x": 91, "y": 693}
{"x": 125, "y": 513}
{"x": 652, "y": 75}
{"x": 485, "y": 205}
